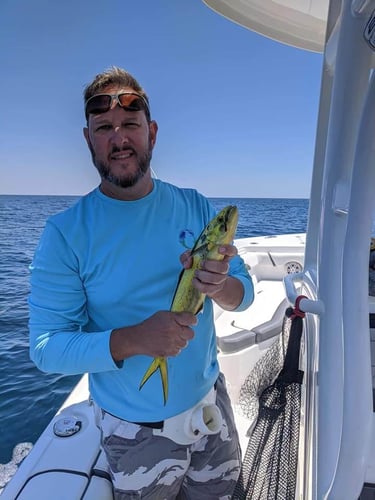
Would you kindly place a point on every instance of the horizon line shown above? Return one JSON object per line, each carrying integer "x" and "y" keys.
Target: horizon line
{"x": 209, "y": 197}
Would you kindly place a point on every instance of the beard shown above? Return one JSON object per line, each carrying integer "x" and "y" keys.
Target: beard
{"x": 127, "y": 180}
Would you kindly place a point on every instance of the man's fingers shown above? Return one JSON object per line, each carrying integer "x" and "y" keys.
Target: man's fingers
{"x": 186, "y": 319}
{"x": 228, "y": 250}
{"x": 186, "y": 259}
{"x": 214, "y": 266}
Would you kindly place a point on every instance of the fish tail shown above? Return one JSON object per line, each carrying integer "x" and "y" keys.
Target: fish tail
{"x": 158, "y": 363}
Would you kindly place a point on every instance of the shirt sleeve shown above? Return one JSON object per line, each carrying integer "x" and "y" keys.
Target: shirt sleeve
{"x": 237, "y": 269}
{"x": 57, "y": 313}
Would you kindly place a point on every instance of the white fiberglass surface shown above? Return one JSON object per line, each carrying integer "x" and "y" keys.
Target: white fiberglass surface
{"x": 301, "y": 24}
{"x": 315, "y": 8}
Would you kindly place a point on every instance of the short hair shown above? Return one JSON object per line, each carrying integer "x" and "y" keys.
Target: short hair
{"x": 115, "y": 76}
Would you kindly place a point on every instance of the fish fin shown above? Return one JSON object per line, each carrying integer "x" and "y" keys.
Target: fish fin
{"x": 158, "y": 363}
{"x": 201, "y": 249}
{"x": 150, "y": 371}
{"x": 164, "y": 378}
{"x": 178, "y": 282}
{"x": 200, "y": 308}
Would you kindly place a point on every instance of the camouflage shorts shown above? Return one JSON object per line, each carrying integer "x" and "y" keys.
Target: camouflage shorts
{"x": 148, "y": 466}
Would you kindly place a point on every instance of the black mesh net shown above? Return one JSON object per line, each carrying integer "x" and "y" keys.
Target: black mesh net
{"x": 269, "y": 468}
{"x": 263, "y": 374}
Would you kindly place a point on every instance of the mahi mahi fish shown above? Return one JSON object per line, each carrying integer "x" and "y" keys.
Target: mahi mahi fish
{"x": 219, "y": 231}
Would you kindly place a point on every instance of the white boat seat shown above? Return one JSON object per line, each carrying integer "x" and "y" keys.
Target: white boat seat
{"x": 245, "y": 338}
{"x": 49, "y": 484}
{"x": 261, "y": 321}
{"x": 53, "y": 484}
{"x": 236, "y": 341}
{"x": 100, "y": 486}
{"x": 273, "y": 327}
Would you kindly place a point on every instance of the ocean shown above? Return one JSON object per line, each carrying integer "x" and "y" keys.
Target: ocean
{"x": 29, "y": 398}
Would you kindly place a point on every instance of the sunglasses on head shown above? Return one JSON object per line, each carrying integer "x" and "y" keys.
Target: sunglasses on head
{"x": 130, "y": 101}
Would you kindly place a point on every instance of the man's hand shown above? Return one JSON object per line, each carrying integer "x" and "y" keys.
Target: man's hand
{"x": 165, "y": 333}
{"x": 212, "y": 278}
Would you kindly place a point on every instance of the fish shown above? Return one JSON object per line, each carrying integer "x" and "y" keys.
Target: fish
{"x": 219, "y": 231}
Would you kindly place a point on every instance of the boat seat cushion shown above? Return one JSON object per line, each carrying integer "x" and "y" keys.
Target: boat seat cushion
{"x": 261, "y": 321}
{"x": 99, "y": 488}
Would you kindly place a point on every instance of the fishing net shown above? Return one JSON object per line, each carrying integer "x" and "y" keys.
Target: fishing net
{"x": 263, "y": 374}
{"x": 272, "y": 395}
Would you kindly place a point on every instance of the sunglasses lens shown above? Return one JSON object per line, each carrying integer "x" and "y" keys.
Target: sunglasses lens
{"x": 101, "y": 103}
{"x": 98, "y": 104}
{"x": 131, "y": 102}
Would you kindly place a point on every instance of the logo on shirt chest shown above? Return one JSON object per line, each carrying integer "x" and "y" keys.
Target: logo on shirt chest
{"x": 187, "y": 238}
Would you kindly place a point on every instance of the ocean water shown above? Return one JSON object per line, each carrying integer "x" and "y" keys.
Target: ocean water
{"x": 29, "y": 398}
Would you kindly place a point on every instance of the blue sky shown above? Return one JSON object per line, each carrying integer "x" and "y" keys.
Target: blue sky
{"x": 236, "y": 111}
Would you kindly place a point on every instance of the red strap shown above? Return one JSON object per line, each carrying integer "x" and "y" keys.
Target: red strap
{"x": 297, "y": 311}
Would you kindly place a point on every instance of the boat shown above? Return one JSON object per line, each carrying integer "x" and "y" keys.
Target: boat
{"x": 325, "y": 273}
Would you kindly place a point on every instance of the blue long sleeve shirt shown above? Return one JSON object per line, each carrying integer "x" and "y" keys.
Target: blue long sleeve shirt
{"x": 105, "y": 264}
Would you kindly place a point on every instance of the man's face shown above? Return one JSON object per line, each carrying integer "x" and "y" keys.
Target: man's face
{"x": 121, "y": 143}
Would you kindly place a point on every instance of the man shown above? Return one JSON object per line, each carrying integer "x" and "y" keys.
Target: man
{"x": 102, "y": 282}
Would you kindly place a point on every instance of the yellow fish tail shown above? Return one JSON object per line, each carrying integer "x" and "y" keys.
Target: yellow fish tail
{"x": 158, "y": 363}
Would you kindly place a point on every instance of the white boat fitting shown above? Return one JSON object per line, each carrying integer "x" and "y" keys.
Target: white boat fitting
{"x": 330, "y": 268}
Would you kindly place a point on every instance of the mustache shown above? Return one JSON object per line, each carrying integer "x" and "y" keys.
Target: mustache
{"x": 116, "y": 149}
